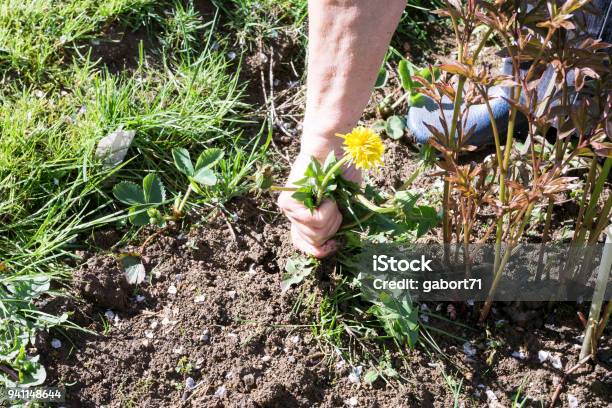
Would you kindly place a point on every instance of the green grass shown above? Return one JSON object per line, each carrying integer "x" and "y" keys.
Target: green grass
{"x": 59, "y": 103}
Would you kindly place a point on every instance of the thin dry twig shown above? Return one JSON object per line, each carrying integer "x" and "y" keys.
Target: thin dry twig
{"x": 567, "y": 372}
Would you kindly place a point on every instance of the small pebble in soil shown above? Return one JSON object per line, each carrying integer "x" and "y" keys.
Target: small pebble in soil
{"x": 56, "y": 343}
{"x": 205, "y": 336}
{"x": 178, "y": 277}
{"x": 519, "y": 354}
{"x": 295, "y": 339}
{"x": 291, "y": 359}
{"x": 199, "y": 299}
{"x": 231, "y": 294}
{"x": 252, "y": 270}
{"x": 265, "y": 359}
{"x": 221, "y": 392}
{"x": 110, "y": 315}
{"x": 139, "y": 299}
{"x": 572, "y": 401}
{"x": 248, "y": 380}
{"x": 149, "y": 334}
{"x": 178, "y": 350}
{"x": 172, "y": 290}
{"x": 231, "y": 55}
{"x": 352, "y": 402}
{"x": 424, "y": 318}
{"x": 154, "y": 324}
{"x": 355, "y": 374}
{"x": 543, "y": 355}
{"x": 190, "y": 383}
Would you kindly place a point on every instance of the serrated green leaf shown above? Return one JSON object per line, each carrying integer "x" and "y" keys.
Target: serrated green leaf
{"x": 129, "y": 193}
{"x": 205, "y": 177}
{"x": 154, "y": 191}
{"x": 395, "y": 127}
{"x": 138, "y": 218}
{"x": 209, "y": 157}
{"x": 182, "y": 161}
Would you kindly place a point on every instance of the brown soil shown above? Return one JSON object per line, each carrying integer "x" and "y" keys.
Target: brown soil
{"x": 244, "y": 344}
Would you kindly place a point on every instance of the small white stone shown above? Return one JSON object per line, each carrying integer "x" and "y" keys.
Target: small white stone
{"x": 232, "y": 335}
{"x": 221, "y": 392}
{"x": 178, "y": 350}
{"x": 424, "y": 307}
{"x": 172, "y": 290}
{"x": 424, "y": 318}
{"x": 252, "y": 270}
{"x": 295, "y": 339}
{"x": 56, "y": 343}
{"x": 265, "y": 359}
{"x": 572, "y": 401}
{"x": 149, "y": 334}
{"x": 140, "y": 298}
{"x": 231, "y": 294}
{"x": 352, "y": 402}
{"x": 556, "y": 362}
{"x": 205, "y": 336}
{"x": 355, "y": 375}
{"x": 154, "y": 324}
{"x": 231, "y": 55}
{"x": 491, "y": 395}
{"x": 199, "y": 299}
{"x": 519, "y": 354}
{"x": 110, "y": 315}
{"x": 190, "y": 383}
{"x": 543, "y": 355}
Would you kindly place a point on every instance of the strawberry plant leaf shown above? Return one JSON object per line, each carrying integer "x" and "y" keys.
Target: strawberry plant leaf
{"x": 129, "y": 193}
{"x": 205, "y": 177}
{"x": 134, "y": 269}
{"x": 154, "y": 191}
{"x": 138, "y": 218}
{"x": 182, "y": 161}
{"x": 209, "y": 158}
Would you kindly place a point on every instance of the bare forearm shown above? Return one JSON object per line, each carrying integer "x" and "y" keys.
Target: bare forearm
{"x": 347, "y": 43}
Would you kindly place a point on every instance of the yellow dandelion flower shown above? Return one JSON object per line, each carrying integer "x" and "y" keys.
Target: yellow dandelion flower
{"x": 364, "y": 147}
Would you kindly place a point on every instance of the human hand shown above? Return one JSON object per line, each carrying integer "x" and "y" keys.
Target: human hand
{"x": 311, "y": 231}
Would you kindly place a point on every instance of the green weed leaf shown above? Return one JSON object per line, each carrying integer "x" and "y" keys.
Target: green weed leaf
{"x": 395, "y": 127}
{"x": 129, "y": 193}
{"x": 182, "y": 161}
{"x": 209, "y": 158}
{"x": 205, "y": 177}
{"x": 382, "y": 78}
{"x": 403, "y": 69}
{"x": 370, "y": 376}
{"x": 296, "y": 270}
